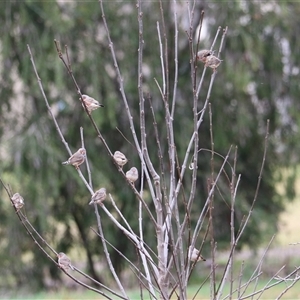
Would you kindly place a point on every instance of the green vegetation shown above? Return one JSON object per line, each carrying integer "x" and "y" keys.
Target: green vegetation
{"x": 203, "y": 294}
{"x": 257, "y": 80}
{"x": 289, "y": 225}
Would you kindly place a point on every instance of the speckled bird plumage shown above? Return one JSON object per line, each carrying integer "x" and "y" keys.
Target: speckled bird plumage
{"x": 132, "y": 175}
{"x": 64, "y": 261}
{"x": 77, "y": 158}
{"x": 91, "y": 103}
{"x": 99, "y": 196}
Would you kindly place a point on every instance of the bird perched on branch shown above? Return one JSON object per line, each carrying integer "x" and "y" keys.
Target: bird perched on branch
{"x": 132, "y": 175}
{"x": 99, "y": 196}
{"x": 64, "y": 261}
{"x": 212, "y": 62}
{"x": 202, "y": 55}
{"x": 77, "y": 158}
{"x": 120, "y": 158}
{"x": 18, "y": 201}
{"x": 195, "y": 255}
{"x": 90, "y": 103}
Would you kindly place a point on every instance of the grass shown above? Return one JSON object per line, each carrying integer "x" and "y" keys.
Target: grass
{"x": 272, "y": 293}
{"x": 289, "y": 225}
{"x": 204, "y": 293}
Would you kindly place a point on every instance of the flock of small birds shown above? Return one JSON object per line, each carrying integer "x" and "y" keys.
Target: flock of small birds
{"x": 99, "y": 196}
{"x": 78, "y": 158}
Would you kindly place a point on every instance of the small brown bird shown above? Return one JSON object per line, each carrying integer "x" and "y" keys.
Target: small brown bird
{"x": 120, "y": 158}
{"x": 195, "y": 255}
{"x": 77, "y": 158}
{"x": 64, "y": 261}
{"x": 17, "y": 201}
{"x": 99, "y": 196}
{"x": 202, "y": 55}
{"x": 132, "y": 175}
{"x": 212, "y": 62}
{"x": 90, "y": 103}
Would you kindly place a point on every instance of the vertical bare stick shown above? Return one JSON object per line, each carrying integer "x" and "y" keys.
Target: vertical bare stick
{"x": 163, "y": 237}
{"x": 166, "y": 60}
{"x": 197, "y": 48}
{"x": 191, "y": 13}
{"x": 232, "y": 224}
{"x": 232, "y": 248}
{"x": 86, "y": 160}
{"x": 155, "y": 176}
{"x": 200, "y": 219}
{"x": 193, "y": 64}
{"x": 240, "y": 282}
{"x": 171, "y": 147}
{"x": 109, "y": 262}
{"x": 211, "y": 207}
{"x": 161, "y": 61}
{"x": 222, "y": 40}
{"x": 215, "y": 39}
{"x": 175, "y": 59}
{"x": 160, "y": 153}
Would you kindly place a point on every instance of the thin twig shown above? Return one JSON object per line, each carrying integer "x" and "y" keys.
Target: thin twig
{"x": 120, "y": 214}
{"x": 270, "y": 280}
{"x": 197, "y": 48}
{"x": 108, "y": 259}
{"x": 211, "y": 205}
{"x": 267, "y": 287}
{"x": 175, "y": 60}
{"x": 232, "y": 247}
{"x": 86, "y": 160}
{"x": 287, "y": 288}
{"x": 239, "y": 288}
{"x": 232, "y": 210}
{"x": 200, "y": 219}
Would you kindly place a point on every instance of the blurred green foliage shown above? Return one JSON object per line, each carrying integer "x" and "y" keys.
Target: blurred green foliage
{"x": 258, "y": 80}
